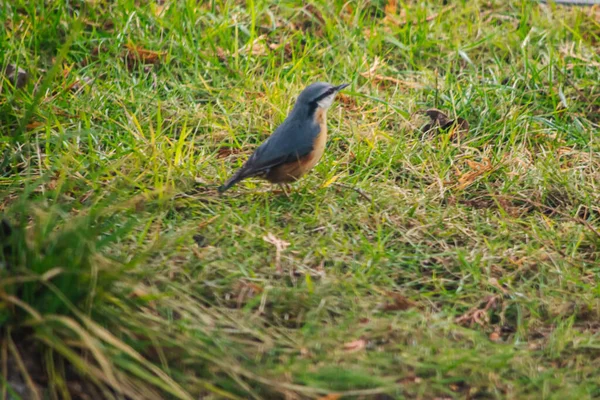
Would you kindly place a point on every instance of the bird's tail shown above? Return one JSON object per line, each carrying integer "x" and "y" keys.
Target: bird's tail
{"x": 235, "y": 178}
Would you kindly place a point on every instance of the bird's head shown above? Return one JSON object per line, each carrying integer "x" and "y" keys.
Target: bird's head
{"x": 319, "y": 94}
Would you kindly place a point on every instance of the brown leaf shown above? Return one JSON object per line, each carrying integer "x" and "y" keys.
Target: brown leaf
{"x": 348, "y": 102}
{"x": 34, "y": 124}
{"x": 16, "y": 76}
{"x": 510, "y": 208}
{"x": 245, "y": 290}
{"x": 391, "y": 15}
{"x": 440, "y": 121}
{"x": 391, "y": 7}
{"x": 136, "y": 54}
{"x": 345, "y": 99}
{"x": 398, "y": 303}
{"x": 250, "y": 286}
{"x": 461, "y": 126}
{"x": 477, "y": 169}
{"x": 331, "y": 396}
{"x": 438, "y": 118}
{"x": 347, "y": 13}
{"x": 221, "y": 54}
{"x": 495, "y": 337}
{"x": 355, "y": 345}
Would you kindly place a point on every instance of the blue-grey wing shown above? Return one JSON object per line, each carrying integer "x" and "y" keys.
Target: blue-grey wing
{"x": 290, "y": 142}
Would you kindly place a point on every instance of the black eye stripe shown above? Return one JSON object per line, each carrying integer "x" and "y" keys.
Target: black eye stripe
{"x": 325, "y": 94}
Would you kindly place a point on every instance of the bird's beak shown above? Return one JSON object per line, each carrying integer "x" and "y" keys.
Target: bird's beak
{"x": 340, "y": 87}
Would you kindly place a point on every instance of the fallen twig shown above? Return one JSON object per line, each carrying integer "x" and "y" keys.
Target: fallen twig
{"x": 280, "y": 246}
{"x": 357, "y": 190}
{"x": 477, "y": 314}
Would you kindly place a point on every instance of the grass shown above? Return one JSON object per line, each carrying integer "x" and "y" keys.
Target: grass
{"x": 462, "y": 266}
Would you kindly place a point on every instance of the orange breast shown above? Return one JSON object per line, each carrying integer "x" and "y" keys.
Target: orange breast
{"x": 291, "y": 172}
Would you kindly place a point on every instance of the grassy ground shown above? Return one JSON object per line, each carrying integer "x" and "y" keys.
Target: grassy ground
{"x": 451, "y": 264}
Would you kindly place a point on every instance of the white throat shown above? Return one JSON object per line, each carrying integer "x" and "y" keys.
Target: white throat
{"x": 327, "y": 101}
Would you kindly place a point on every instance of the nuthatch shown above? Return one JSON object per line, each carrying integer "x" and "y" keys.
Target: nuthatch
{"x": 297, "y": 144}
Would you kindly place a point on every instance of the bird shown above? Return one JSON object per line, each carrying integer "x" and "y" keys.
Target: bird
{"x": 297, "y": 145}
